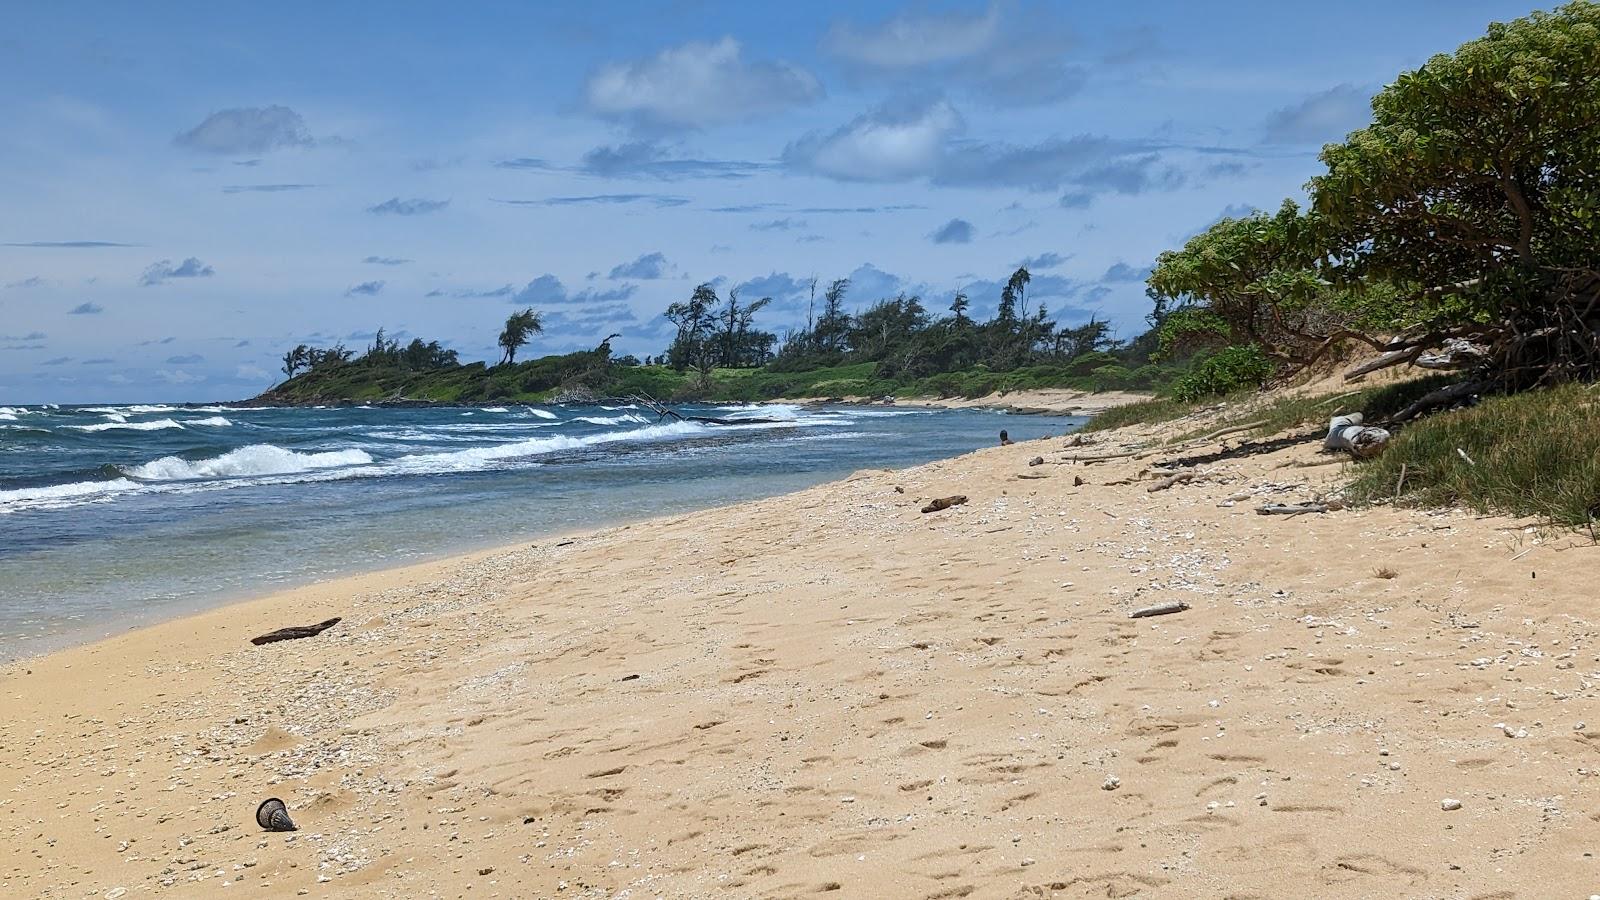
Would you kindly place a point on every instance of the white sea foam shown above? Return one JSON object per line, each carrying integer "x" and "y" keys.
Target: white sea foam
{"x": 612, "y": 420}
{"x": 156, "y": 425}
{"x": 495, "y": 409}
{"x": 541, "y": 413}
{"x": 255, "y": 459}
{"x": 57, "y": 495}
{"x": 210, "y": 421}
{"x": 485, "y": 457}
{"x": 143, "y": 410}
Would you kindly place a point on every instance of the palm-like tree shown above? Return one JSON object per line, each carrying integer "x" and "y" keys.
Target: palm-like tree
{"x": 520, "y": 328}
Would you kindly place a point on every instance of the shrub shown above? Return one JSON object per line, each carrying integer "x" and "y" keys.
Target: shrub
{"x": 1229, "y": 369}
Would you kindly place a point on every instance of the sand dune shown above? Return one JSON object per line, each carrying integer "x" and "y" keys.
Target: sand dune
{"x": 830, "y": 693}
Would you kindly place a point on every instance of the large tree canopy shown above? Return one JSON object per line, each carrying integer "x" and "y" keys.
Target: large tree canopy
{"x": 1460, "y": 229}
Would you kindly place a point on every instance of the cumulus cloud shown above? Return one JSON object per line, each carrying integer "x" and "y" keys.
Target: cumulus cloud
{"x": 1042, "y": 261}
{"x": 784, "y": 289}
{"x": 187, "y": 359}
{"x": 29, "y": 282}
{"x": 365, "y": 289}
{"x": 251, "y": 129}
{"x": 912, "y": 140}
{"x": 895, "y": 142}
{"x": 1320, "y": 118}
{"x": 1122, "y": 272}
{"x": 647, "y": 266}
{"x": 1006, "y": 59}
{"x": 415, "y": 206}
{"x": 385, "y": 261}
{"x": 86, "y": 309}
{"x": 910, "y": 41}
{"x": 547, "y": 290}
{"x": 696, "y": 85}
{"x": 57, "y": 361}
{"x": 159, "y": 272}
{"x": 955, "y": 231}
{"x": 30, "y": 336}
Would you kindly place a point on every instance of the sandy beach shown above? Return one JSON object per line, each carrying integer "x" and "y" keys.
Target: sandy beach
{"x": 832, "y": 693}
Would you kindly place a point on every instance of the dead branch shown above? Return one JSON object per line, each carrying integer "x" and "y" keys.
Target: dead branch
{"x": 1160, "y": 609}
{"x": 945, "y": 503}
{"x": 1291, "y": 509}
{"x": 1170, "y": 480}
{"x": 294, "y": 632}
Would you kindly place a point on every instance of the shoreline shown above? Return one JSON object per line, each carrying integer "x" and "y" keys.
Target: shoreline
{"x": 829, "y": 688}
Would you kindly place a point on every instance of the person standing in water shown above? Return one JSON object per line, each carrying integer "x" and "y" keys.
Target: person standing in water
{"x": 1005, "y": 439}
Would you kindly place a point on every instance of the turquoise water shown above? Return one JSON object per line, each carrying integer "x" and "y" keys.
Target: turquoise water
{"x": 115, "y": 516}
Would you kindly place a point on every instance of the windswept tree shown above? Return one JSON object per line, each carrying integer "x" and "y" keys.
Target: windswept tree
{"x": 695, "y": 345}
{"x": 520, "y": 328}
{"x": 295, "y": 360}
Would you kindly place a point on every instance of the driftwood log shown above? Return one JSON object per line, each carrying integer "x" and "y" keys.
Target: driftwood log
{"x": 1291, "y": 509}
{"x": 295, "y": 631}
{"x": 1160, "y": 609}
{"x": 1347, "y": 433}
{"x": 1170, "y": 480}
{"x": 945, "y": 503}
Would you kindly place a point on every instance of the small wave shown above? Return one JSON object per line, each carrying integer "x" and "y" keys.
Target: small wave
{"x": 615, "y": 408}
{"x": 62, "y": 494}
{"x": 143, "y": 410}
{"x": 495, "y": 409}
{"x": 484, "y": 457}
{"x": 210, "y": 421}
{"x": 541, "y": 413}
{"x": 612, "y": 420}
{"x": 786, "y": 412}
{"x": 156, "y": 425}
{"x": 255, "y": 459}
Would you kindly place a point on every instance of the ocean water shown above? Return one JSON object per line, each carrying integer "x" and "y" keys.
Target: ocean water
{"x": 116, "y": 516}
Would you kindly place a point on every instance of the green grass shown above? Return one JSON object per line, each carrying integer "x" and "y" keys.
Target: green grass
{"x": 1144, "y": 412}
{"x": 1532, "y": 454}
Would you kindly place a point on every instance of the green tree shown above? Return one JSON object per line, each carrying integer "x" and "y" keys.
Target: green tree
{"x": 1476, "y": 190}
{"x": 695, "y": 345}
{"x": 520, "y": 328}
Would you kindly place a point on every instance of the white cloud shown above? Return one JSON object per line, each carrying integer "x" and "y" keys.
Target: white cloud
{"x": 896, "y": 142}
{"x": 696, "y": 85}
{"x": 247, "y": 130}
{"x": 908, "y": 41}
{"x": 1320, "y": 118}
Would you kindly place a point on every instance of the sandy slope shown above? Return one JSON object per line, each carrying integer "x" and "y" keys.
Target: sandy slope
{"x": 831, "y": 693}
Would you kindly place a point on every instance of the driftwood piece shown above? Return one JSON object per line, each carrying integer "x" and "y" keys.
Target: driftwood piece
{"x": 1291, "y": 509}
{"x": 1347, "y": 433}
{"x": 1170, "y": 480}
{"x": 295, "y": 631}
{"x": 1160, "y": 609}
{"x": 945, "y": 503}
{"x": 1036, "y": 461}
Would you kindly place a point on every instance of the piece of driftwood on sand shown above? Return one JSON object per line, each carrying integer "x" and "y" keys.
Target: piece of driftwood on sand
{"x": 1160, "y": 609}
{"x": 294, "y": 632}
{"x": 945, "y": 503}
{"x": 1291, "y": 509}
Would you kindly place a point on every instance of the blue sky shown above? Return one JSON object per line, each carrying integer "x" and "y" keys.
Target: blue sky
{"x": 189, "y": 191}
